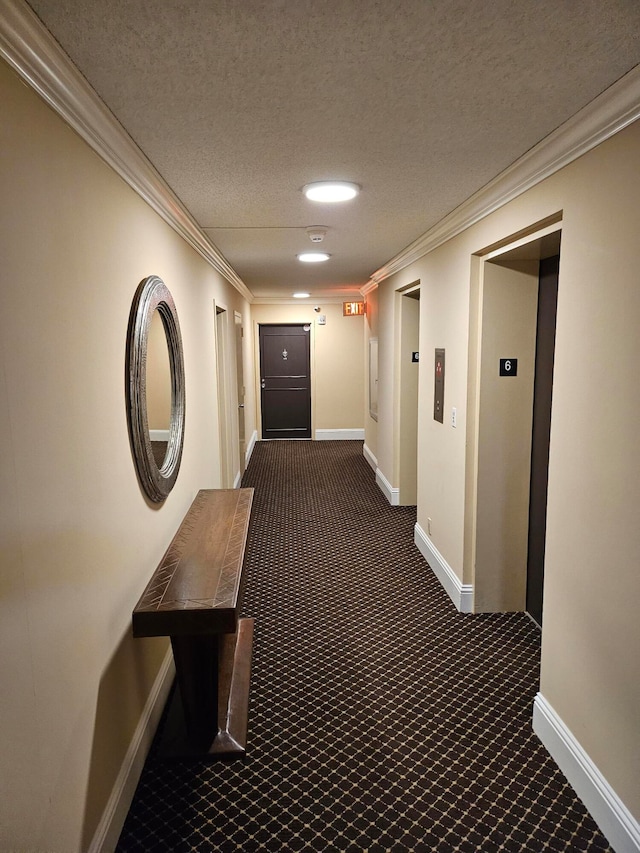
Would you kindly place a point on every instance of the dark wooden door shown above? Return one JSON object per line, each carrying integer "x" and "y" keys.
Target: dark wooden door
{"x": 542, "y": 393}
{"x": 285, "y": 381}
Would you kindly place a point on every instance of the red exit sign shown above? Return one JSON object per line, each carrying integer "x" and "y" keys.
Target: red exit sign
{"x": 352, "y": 309}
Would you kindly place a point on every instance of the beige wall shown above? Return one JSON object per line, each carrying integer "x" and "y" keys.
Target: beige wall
{"x": 79, "y": 539}
{"x": 590, "y": 666}
{"x": 337, "y": 366}
{"x": 444, "y": 323}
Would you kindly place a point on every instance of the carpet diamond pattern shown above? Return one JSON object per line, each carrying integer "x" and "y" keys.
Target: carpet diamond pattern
{"x": 381, "y": 719}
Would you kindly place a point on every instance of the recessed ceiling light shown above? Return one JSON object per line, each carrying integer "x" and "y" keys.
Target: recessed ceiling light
{"x": 313, "y": 257}
{"x": 330, "y": 191}
{"x": 301, "y": 295}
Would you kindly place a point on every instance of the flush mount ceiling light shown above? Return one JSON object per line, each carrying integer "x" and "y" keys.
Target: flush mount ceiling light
{"x": 313, "y": 257}
{"x": 331, "y": 191}
{"x": 301, "y": 295}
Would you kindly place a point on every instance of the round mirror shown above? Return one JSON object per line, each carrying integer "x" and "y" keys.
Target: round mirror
{"x": 155, "y": 388}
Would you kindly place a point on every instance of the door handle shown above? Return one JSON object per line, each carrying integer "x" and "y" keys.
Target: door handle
{"x": 262, "y": 383}
{"x": 241, "y": 405}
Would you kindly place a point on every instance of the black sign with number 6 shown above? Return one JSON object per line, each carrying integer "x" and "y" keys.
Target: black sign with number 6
{"x": 508, "y": 367}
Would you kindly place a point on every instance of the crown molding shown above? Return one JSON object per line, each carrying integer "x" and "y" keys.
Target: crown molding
{"x": 612, "y": 111}
{"x": 31, "y": 50}
{"x": 368, "y": 287}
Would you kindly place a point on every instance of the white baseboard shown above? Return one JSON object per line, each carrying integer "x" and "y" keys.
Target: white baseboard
{"x": 616, "y": 822}
{"x": 391, "y": 494}
{"x": 250, "y": 445}
{"x": 368, "y": 455}
{"x": 237, "y": 480}
{"x": 159, "y": 434}
{"x": 108, "y": 832}
{"x": 339, "y": 435}
{"x": 460, "y": 593}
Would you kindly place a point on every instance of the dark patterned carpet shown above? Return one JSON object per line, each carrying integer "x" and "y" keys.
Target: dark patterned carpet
{"x": 381, "y": 719}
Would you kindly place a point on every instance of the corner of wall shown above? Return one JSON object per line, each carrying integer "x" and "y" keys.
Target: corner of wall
{"x": 461, "y": 594}
{"x": 616, "y": 822}
{"x": 369, "y": 456}
{"x": 250, "y": 446}
{"x": 391, "y": 493}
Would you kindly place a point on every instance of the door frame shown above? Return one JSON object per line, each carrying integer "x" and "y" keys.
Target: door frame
{"x": 238, "y": 322}
{"x": 484, "y": 578}
{"x": 258, "y": 367}
{"x": 406, "y": 394}
{"x": 226, "y": 399}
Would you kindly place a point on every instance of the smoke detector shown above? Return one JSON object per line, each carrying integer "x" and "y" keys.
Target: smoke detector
{"x": 316, "y": 233}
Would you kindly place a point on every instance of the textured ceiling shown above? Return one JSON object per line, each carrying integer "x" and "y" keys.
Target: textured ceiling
{"x": 239, "y": 103}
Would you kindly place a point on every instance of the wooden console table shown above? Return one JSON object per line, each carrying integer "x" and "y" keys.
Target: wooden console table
{"x": 194, "y": 597}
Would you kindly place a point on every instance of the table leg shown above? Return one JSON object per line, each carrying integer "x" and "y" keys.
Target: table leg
{"x": 207, "y": 716}
{"x": 196, "y": 659}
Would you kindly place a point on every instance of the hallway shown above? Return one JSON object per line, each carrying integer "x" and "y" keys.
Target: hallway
{"x": 380, "y": 718}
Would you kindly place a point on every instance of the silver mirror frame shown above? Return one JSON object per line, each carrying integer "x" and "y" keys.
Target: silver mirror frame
{"x": 152, "y": 294}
